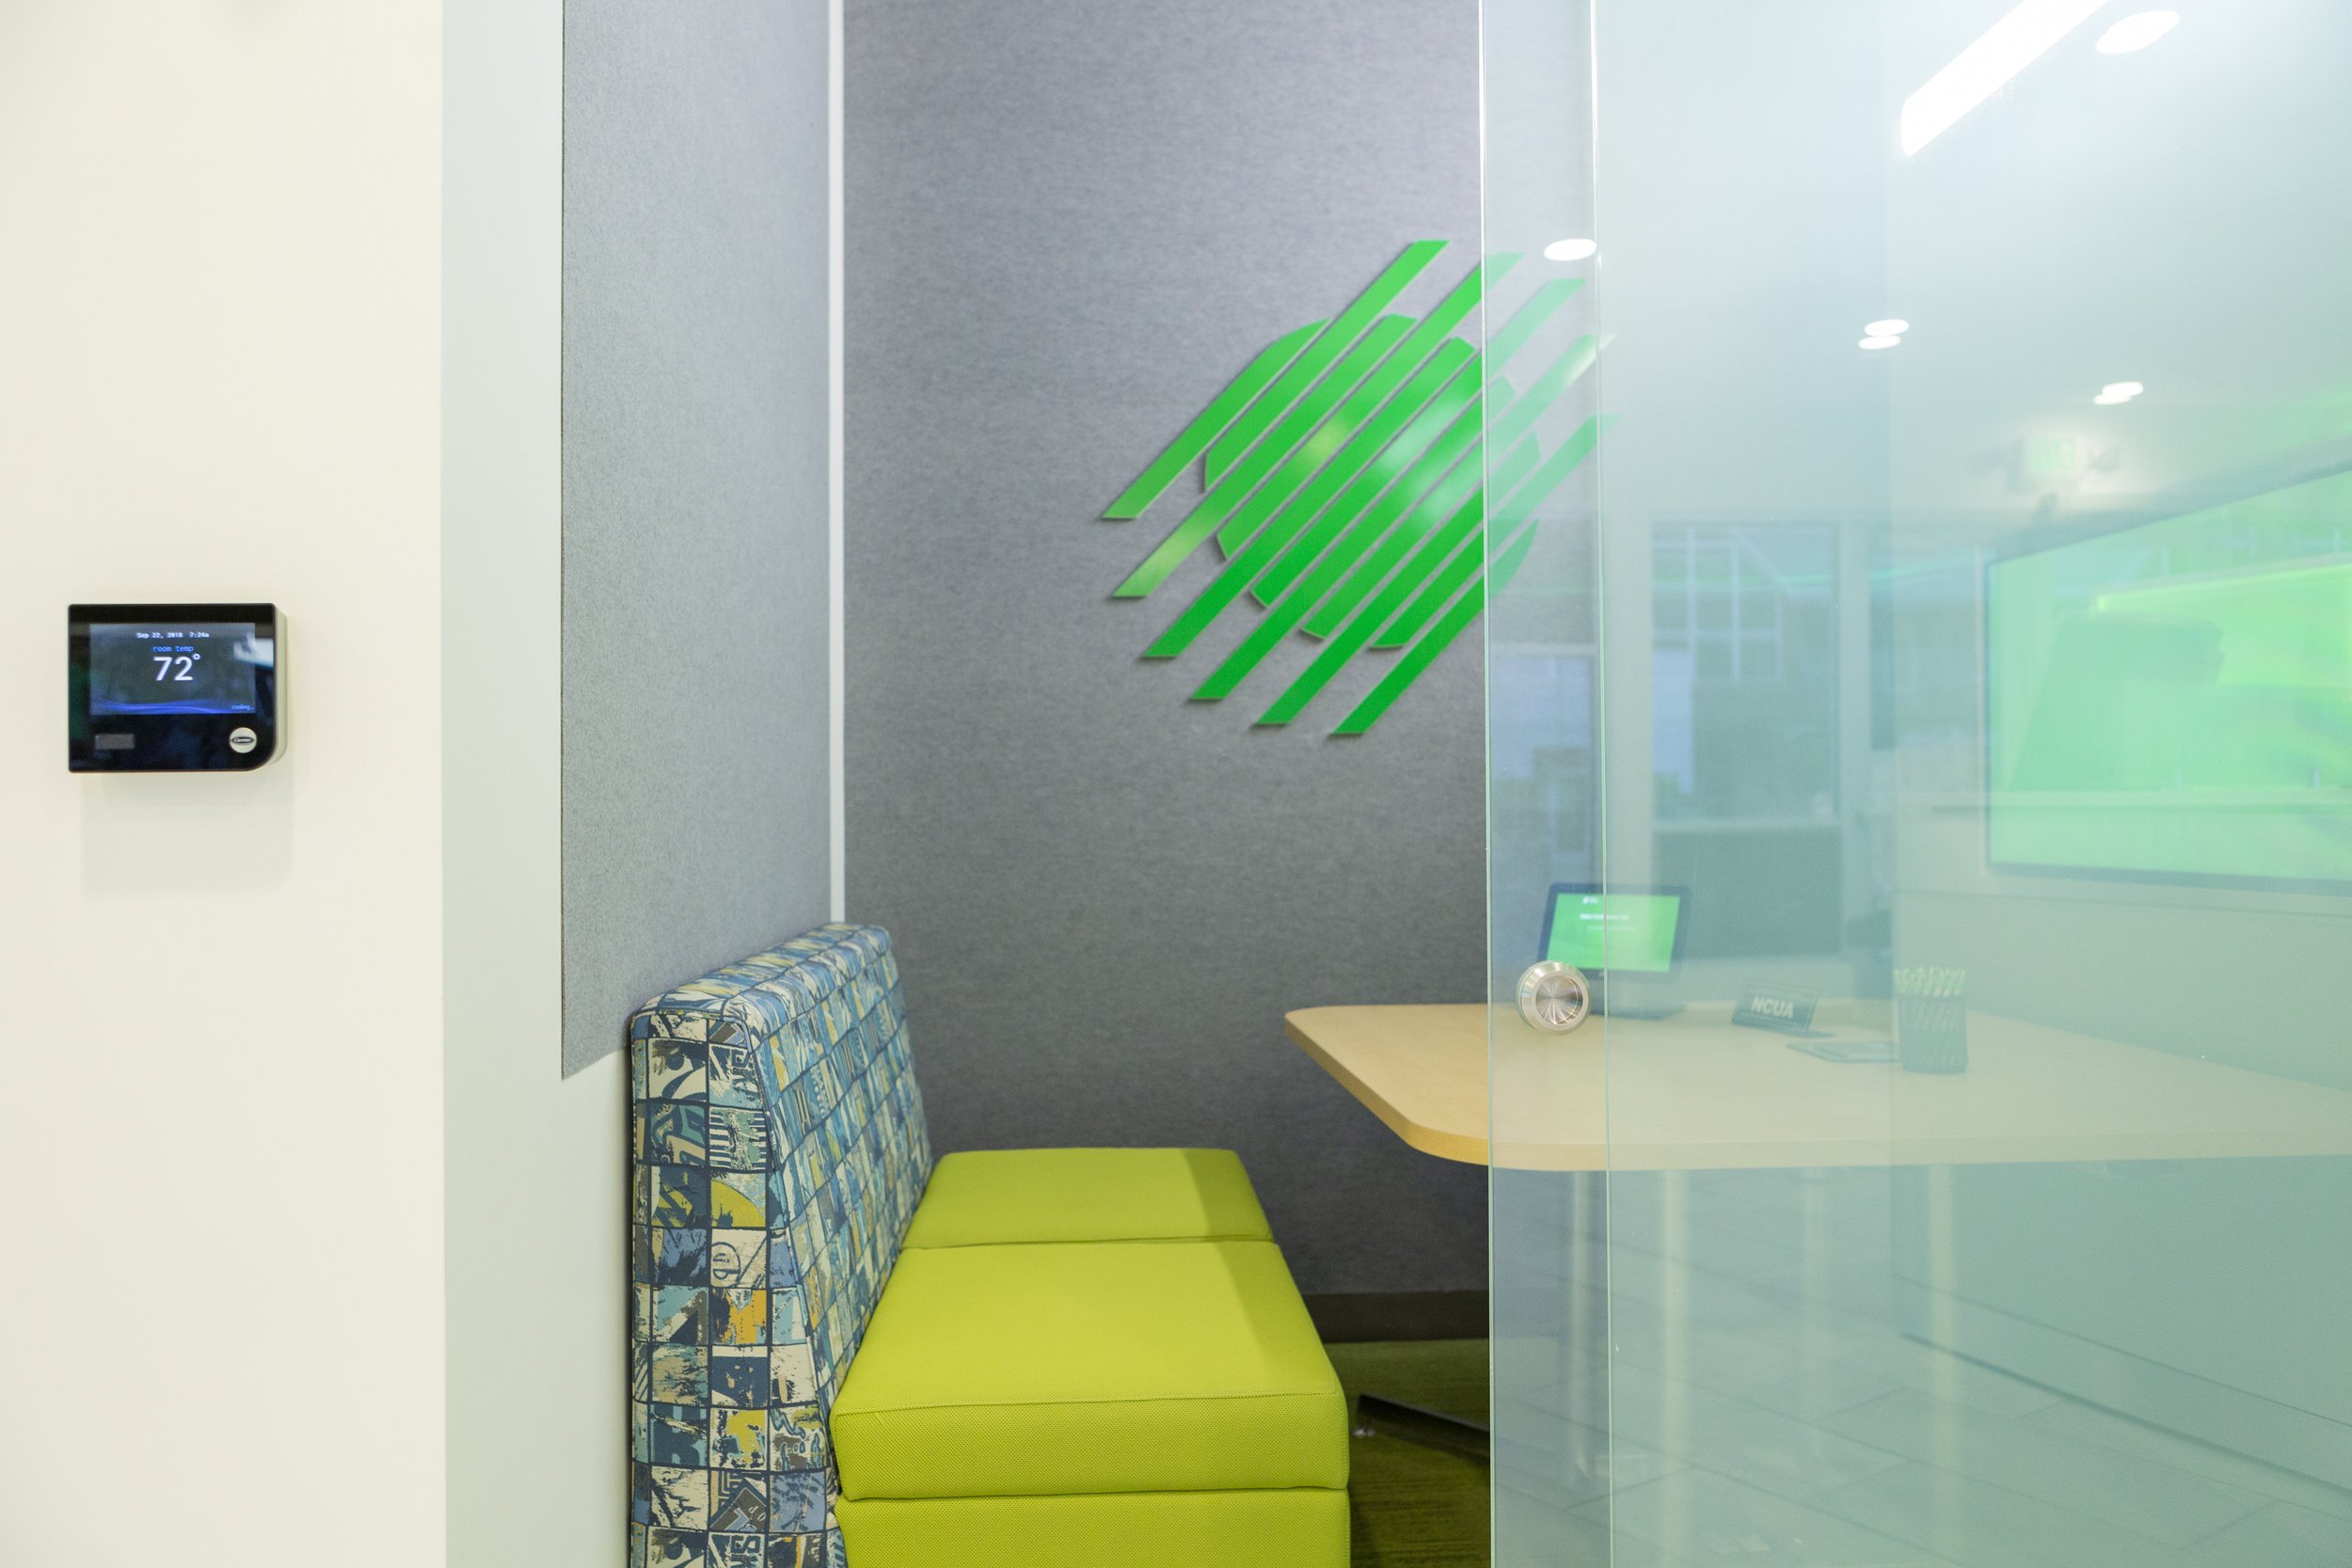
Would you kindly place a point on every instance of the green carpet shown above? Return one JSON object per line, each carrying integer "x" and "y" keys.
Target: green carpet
{"x": 1414, "y": 1506}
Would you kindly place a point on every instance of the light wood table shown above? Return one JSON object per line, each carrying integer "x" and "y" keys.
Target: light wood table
{"x": 1693, "y": 1092}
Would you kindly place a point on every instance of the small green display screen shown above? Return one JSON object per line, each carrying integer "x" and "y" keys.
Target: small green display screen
{"x": 2174, "y": 700}
{"x": 1614, "y": 930}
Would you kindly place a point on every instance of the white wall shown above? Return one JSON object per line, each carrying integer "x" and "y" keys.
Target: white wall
{"x": 536, "y": 1163}
{"x": 315, "y": 1257}
{"x": 220, "y": 1091}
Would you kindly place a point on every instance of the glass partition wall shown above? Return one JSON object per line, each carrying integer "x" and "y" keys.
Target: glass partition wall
{"x": 1919, "y": 627}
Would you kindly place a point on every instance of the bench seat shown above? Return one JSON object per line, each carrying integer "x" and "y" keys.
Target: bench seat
{"x": 1071, "y": 1404}
{"x": 845, "y": 1355}
{"x": 1302, "y": 1528}
{"x": 987, "y": 1197}
{"x": 1090, "y": 1366}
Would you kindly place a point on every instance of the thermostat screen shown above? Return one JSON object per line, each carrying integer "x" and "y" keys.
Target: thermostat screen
{"x": 195, "y": 667}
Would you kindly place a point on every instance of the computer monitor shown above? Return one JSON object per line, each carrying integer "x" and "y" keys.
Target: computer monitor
{"x": 1627, "y": 931}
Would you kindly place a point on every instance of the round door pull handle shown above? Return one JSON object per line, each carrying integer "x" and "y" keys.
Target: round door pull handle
{"x": 1555, "y": 997}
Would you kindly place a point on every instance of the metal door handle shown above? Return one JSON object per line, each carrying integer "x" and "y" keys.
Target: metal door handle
{"x": 1555, "y": 997}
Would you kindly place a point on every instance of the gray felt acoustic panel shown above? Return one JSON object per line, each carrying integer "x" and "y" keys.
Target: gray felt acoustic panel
{"x": 694, "y": 494}
{"x": 1068, "y": 227}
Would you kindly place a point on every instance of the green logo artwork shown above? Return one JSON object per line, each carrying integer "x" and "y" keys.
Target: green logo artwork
{"x": 1344, "y": 479}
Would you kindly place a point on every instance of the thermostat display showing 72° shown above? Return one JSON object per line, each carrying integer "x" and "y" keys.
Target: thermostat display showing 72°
{"x": 173, "y": 688}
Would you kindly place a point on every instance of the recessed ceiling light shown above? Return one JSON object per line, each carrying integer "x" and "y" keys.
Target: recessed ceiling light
{"x": 1986, "y": 66}
{"x": 2138, "y": 32}
{"x": 1894, "y": 328}
{"x": 1570, "y": 250}
{"x": 1879, "y": 340}
{"x": 2117, "y": 391}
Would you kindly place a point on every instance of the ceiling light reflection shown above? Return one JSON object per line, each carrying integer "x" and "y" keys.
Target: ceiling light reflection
{"x": 1893, "y": 327}
{"x": 1881, "y": 340}
{"x": 2117, "y": 391}
{"x": 1570, "y": 250}
{"x": 1986, "y": 66}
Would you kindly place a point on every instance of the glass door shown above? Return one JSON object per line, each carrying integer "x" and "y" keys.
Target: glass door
{"x": 1919, "y": 635}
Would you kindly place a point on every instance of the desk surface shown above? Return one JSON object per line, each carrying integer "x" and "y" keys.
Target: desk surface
{"x": 1694, "y": 1093}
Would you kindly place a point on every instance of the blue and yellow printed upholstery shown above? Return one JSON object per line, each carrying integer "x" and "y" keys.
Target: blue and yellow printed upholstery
{"x": 780, "y": 1150}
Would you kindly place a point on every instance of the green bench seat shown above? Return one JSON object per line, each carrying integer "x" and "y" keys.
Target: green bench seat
{"x": 1062, "y": 1372}
{"x": 1137, "y": 1529}
{"x": 1088, "y": 1366}
{"x": 987, "y": 1197}
{"x": 848, "y": 1356}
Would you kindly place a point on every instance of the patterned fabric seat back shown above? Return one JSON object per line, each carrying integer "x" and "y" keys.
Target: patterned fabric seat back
{"x": 780, "y": 1149}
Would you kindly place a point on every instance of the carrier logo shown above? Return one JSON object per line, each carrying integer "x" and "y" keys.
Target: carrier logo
{"x": 1345, "y": 481}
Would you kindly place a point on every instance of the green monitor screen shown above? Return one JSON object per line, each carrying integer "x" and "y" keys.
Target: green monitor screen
{"x": 2174, "y": 700}
{"x": 1636, "y": 931}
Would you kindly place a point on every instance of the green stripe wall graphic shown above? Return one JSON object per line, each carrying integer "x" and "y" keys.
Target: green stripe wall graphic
{"x": 1347, "y": 483}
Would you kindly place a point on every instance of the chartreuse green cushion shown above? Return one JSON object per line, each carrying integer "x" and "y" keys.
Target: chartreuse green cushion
{"x": 984, "y": 1198}
{"x": 1036, "y": 1370}
{"x": 1306, "y": 1527}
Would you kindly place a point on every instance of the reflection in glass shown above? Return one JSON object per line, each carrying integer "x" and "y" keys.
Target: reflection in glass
{"x": 2174, "y": 698}
{"x": 1992, "y": 685}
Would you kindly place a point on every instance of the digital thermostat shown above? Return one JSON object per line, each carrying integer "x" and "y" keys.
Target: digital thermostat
{"x": 173, "y": 688}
